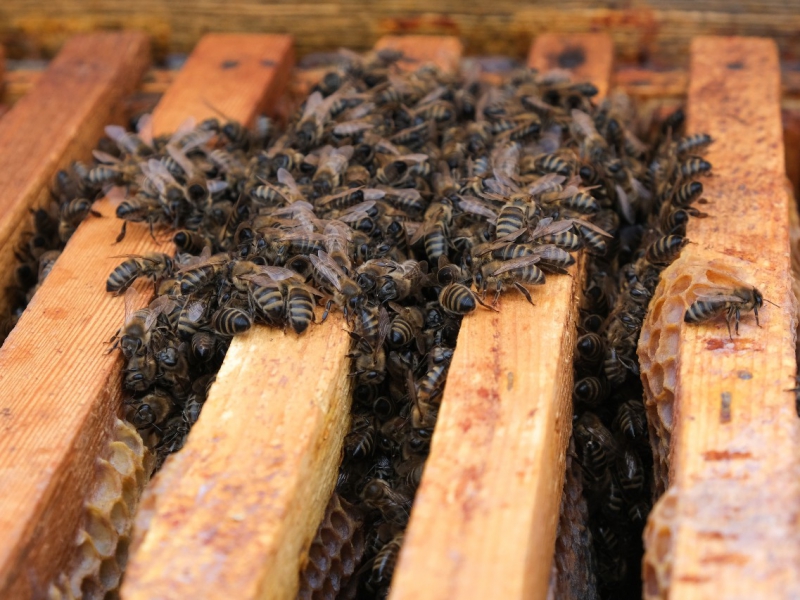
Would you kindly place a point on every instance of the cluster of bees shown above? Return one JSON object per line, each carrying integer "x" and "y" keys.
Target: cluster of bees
{"x": 405, "y": 200}
{"x": 658, "y": 192}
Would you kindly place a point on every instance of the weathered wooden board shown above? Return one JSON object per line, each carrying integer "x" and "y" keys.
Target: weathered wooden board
{"x": 59, "y": 389}
{"x": 485, "y": 516}
{"x": 60, "y": 120}
{"x": 263, "y": 457}
{"x": 728, "y": 526}
{"x": 643, "y": 31}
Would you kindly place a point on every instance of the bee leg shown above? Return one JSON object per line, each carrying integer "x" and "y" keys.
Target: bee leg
{"x": 755, "y": 308}
{"x": 497, "y": 293}
{"x": 737, "y": 320}
{"x": 728, "y": 321}
{"x": 489, "y": 306}
{"x": 121, "y": 235}
{"x": 327, "y": 310}
{"x": 524, "y": 292}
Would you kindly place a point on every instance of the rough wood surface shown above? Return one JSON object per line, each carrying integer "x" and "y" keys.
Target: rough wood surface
{"x": 485, "y": 516}
{"x": 60, "y": 120}
{"x": 728, "y": 527}
{"x": 59, "y": 390}
{"x": 645, "y": 30}
{"x": 263, "y": 457}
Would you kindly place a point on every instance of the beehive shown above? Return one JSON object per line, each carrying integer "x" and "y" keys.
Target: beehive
{"x": 264, "y": 463}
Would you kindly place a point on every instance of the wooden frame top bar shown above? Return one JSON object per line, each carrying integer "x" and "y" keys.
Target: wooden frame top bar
{"x": 59, "y": 390}
{"x": 728, "y": 526}
{"x": 484, "y": 520}
{"x": 58, "y": 121}
{"x": 263, "y": 456}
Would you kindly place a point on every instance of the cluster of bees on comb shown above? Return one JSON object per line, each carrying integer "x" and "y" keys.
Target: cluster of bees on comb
{"x": 406, "y": 200}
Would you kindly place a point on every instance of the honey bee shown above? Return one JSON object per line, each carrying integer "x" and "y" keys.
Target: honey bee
{"x": 458, "y": 299}
{"x": 590, "y": 348}
{"x": 151, "y": 410}
{"x": 231, "y": 321}
{"x": 631, "y": 420}
{"x": 693, "y": 143}
{"x": 203, "y": 345}
{"x": 385, "y": 561}
{"x": 406, "y": 327}
{"x": 174, "y": 367}
{"x": 346, "y": 292}
{"x": 393, "y": 506}
{"x": 665, "y": 249}
{"x": 590, "y": 390}
{"x": 134, "y": 336}
{"x": 732, "y": 301}
{"x": 141, "y": 372}
{"x": 360, "y": 441}
{"x": 191, "y": 242}
{"x": 153, "y": 265}
{"x": 332, "y": 165}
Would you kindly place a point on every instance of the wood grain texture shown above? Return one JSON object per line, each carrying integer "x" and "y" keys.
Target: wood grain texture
{"x": 59, "y": 390}
{"x": 263, "y": 457}
{"x": 643, "y": 31}
{"x": 485, "y": 516}
{"x": 60, "y": 120}
{"x": 587, "y": 56}
{"x": 734, "y": 496}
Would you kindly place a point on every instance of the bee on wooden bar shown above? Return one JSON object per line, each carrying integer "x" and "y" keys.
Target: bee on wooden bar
{"x": 731, "y": 301}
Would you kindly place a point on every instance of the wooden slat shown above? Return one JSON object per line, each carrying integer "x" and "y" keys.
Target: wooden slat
{"x": 484, "y": 520}
{"x": 645, "y": 30}
{"x": 728, "y": 527}
{"x": 58, "y": 121}
{"x": 59, "y": 390}
{"x": 444, "y": 52}
{"x": 262, "y": 457}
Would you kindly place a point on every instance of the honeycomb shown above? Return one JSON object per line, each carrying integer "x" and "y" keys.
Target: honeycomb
{"x": 334, "y": 554}
{"x": 658, "y": 534}
{"x": 101, "y": 545}
{"x": 574, "y": 576}
{"x": 660, "y": 341}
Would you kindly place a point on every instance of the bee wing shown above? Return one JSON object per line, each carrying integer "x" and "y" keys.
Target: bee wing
{"x": 286, "y": 178}
{"x": 215, "y": 186}
{"x": 476, "y": 207}
{"x": 311, "y": 290}
{"x": 312, "y": 105}
{"x": 195, "y": 311}
{"x": 131, "y": 303}
{"x": 517, "y": 263}
{"x": 352, "y": 127}
{"x": 116, "y": 133}
{"x": 327, "y": 268}
{"x": 345, "y": 152}
{"x": 433, "y": 95}
{"x": 144, "y": 127}
{"x": 413, "y": 158}
{"x": 384, "y": 325}
{"x": 328, "y": 199}
{"x": 356, "y": 212}
{"x": 625, "y": 205}
{"x": 584, "y": 123}
{"x": 105, "y": 157}
{"x": 545, "y": 183}
{"x": 337, "y": 228}
{"x": 179, "y": 156}
{"x": 720, "y": 296}
{"x": 592, "y": 226}
{"x": 420, "y": 231}
{"x": 374, "y": 194}
{"x": 549, "y": 252}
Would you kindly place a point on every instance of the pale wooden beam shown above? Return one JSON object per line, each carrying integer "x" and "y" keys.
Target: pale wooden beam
{"x": 59, "y": 389}
{"x": 484, "y": 520}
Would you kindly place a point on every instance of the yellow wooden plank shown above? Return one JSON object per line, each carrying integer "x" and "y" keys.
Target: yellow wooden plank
{"x": 231, "y": 515}
{"x": 485, "y": 516}
{"x": 728, "y": 526}
{"x": 59, "y": 390}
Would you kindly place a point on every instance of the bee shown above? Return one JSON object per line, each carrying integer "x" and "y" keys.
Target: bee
{"x": 203, "y": 344}
{"x": 631, "y": 420}
{"x": 134, "y": 336}
{"x": 72, "y": 213}
{"x": 332, "y": 165}
{"x": 693, "y": 143}
{"x": 128, "y": 142}
{"x": 153, "y": 265}
{"x": 231, "y": 321}
{"x": 435, "y": 230}
{"x": 630, "y": 472}
{"x": 512, "y": 272}
{"x": 552, "y": 163}
{"x": 346, "y": 292}
{"x": 393, "y": 506}
{"x": 173, "y": 366}
{"x": 732, "y": 301}
{"x": 300, "y": 307}
{"x": 201, "y": 272}
{"x": 406, "y": 327}
{"x": 360, "y": 441}
{"x": 385, "y": 561}
{"x": 513, "y": 216}
{"x": 151, "y": 410}
{"x": 458, "y": 299}
{"x": 590, "y": 348}
{"x": 590, "y": 390}
{"x": 191, "y": 242}
{"x": 694, "y": 165}
{"x": 687, "y": 194}
{"x": 665, "y": 249}
{"x": 141, "y": 372}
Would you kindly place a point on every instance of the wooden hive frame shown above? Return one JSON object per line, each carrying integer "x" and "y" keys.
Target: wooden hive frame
{"x": 59, "y": 392}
